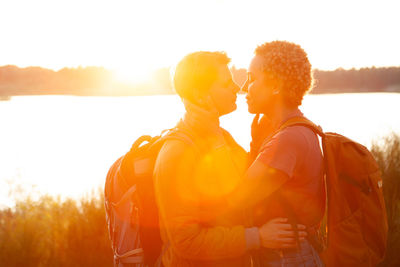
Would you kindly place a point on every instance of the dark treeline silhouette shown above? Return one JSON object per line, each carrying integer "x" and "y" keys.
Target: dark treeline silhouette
{"x": 37, "y": 80}
{"x": 347, "y": 81}
{"x": 76, "y": 81}
{"x": 100, "y": 81}
{"x": 361, "y": 80}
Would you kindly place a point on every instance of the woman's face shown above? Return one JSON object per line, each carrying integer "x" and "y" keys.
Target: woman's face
{"x": 262, "y": 89}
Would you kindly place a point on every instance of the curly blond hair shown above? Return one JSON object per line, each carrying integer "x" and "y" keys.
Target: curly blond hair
{"x": 289, "y": 63}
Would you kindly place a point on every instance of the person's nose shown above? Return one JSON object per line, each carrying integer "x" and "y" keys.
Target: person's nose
{"x": 247, "y": 96}
{"x": 236, "y": 88}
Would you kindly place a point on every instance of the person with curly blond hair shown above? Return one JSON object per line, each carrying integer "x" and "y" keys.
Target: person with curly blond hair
{"x": 286, "y": 176}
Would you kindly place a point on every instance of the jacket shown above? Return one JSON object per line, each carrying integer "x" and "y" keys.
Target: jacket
{"x": 192, "y": 182}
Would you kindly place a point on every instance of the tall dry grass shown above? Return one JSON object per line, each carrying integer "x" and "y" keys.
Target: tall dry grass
{"x": 51, "y": 232}
{"x": 387, "y": 154}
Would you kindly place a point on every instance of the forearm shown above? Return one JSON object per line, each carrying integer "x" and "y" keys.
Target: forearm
{"x": 259, "y": 182}
{"x": 196, "y": 242}
{"x": 248, "y": 193}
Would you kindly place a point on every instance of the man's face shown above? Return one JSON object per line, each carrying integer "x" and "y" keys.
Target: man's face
{"x": 261, "y": 88}
{"x": 224, "y": 92}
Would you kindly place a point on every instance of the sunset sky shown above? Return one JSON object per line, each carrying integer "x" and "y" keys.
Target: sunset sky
{"x": 134, "y": 37}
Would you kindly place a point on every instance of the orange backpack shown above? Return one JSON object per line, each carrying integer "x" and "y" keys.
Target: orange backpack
{"x": 356, "y": 221}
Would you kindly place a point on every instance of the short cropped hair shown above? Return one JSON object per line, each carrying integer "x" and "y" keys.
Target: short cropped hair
{"x": 289, "y": 63}
{"x": 198, "y": 71}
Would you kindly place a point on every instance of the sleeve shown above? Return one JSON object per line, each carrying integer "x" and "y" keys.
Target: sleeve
{"x": 283, "y": 152}
{"x": 191, "y": 236}
{"x": 273, "y": 167}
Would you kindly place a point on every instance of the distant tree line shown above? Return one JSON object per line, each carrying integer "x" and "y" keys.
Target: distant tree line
{"x": 361, "y": 80}
{"x": 37, "y": 80}
{"x": 347, "y": 81}
{"x": 100, "y": 81}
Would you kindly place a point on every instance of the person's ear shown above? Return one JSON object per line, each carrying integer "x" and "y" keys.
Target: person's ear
{"x": 277, "y": 86}
{"x": 203, "y": 99}
{"x": 198, "y": 97}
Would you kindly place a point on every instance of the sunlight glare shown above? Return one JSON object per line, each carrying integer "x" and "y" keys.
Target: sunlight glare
{"x": 136, "y": 32}
{"x": 132, "y": 74}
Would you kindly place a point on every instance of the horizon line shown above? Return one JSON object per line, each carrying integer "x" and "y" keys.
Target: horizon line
{"x": 163, "y": 67}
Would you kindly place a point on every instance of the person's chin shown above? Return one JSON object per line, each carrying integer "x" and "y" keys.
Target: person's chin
{"x": 234, "y": 106}
{"x": 251, "y": 109}
{"x": 230, "y": 110}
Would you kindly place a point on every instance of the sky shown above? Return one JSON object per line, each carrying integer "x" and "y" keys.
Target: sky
{"x": 133, "y": 37}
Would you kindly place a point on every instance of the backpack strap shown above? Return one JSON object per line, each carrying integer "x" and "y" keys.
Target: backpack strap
{"x": 132, "y": 256}
{"x": 316, "y": 237}
{"x": 184, "y": 136}
{"x": 125, "y": 197}
{"x": 301, "y": 121}
{"x": 139, "y": 141}
{"x": 159, "y": 260}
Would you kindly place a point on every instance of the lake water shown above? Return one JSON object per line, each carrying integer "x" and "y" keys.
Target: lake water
{"x": 64, "y": 145}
